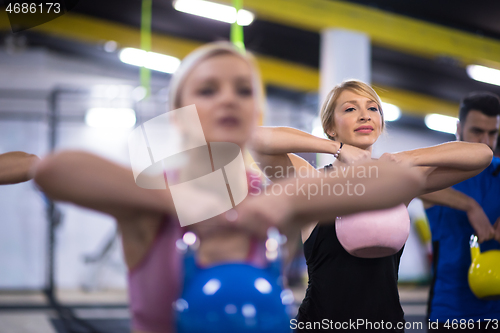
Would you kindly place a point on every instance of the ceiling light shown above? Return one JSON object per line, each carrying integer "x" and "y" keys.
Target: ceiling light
{"x": 441, "y": 123}
{"x": 391, "y": 112}
{"x": 484, "y": 74}
{"x": 110, "y": 46}
{"x": 155, "y": 61}
{"x": 110, "y": 117}
{"x": 318, "y": 129}
{"x": 214, "y": 11}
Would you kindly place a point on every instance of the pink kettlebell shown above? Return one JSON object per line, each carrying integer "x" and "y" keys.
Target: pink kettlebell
{"x": 374, "y": 234}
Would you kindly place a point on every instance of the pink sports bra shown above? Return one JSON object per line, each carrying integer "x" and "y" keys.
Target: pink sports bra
{"x": 156, "y": 282}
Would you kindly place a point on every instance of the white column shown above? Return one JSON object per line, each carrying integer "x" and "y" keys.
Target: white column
{"x": 344, "y": 54}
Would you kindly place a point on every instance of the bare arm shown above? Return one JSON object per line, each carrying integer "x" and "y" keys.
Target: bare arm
{"x": 452, "y": 198}
{"x": 302, "y": 201}
{"x": 15, "y": 167}
{"x": 447, "y": 164}
{"x": 448, "y": 197}
{"x": 270, "y": 147}
{"x": 458, "y": 155}
{"x": 283, "y": 140}
{"x": 93, "y": 182}
{"x": 391, "y": 186}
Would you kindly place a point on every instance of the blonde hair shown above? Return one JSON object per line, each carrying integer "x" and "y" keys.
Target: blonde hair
{"x": 357, "y": 87}
{"x": 207, "y": 51}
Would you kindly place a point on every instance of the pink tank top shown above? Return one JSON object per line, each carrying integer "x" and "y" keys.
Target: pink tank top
{"x": 155, "y": 283}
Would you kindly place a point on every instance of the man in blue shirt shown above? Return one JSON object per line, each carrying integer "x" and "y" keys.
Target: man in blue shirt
{"x": 470, "y": 207}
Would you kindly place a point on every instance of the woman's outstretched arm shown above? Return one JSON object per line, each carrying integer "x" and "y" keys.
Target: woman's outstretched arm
{"x": 93, "y": 182}
{"x": 270, "y": 147}
{"x": 447, "y": 164}
{"x": 283, "y": 140}
{"x": 374, "y": 185}
{"x": 459, "y": 155}
{"x": 15, "y": 167}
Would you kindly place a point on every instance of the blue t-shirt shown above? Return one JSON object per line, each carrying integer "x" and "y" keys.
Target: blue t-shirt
{"x": 451, "y": 297}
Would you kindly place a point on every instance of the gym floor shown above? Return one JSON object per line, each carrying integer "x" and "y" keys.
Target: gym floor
{"x": 26, "y": 312}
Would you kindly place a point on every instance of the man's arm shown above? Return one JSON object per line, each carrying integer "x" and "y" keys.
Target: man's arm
{"x": 496, "y": 226}
{"x": 452, "y": 198}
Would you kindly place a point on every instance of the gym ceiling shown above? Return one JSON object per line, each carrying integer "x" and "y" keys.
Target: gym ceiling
{"x": 420, "y": 48}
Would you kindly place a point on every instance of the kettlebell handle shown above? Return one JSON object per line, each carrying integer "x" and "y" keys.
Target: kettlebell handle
{"x": 475, "y": 251}
{"x": 473, "y": 241}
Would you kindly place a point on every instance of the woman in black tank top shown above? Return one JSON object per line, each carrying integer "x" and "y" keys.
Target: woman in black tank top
{"x": 347, "y": 292}
{"x": 370, "y": 285}
{"x": 369, "y": 303}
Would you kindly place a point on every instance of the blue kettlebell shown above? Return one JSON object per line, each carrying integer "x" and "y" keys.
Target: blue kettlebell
{"x": 233, "y": 297}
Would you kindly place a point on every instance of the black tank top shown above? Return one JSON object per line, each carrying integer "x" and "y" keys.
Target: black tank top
{"x": 343, "y": 288}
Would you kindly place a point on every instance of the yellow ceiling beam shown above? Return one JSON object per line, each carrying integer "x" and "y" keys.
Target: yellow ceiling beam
{"x": 93, "y": 30}
{"x": 274, "y": 71}
{"x": 415, "y": 103}
{"x": 4, "y": 20}
{"x": 384, "y": 28}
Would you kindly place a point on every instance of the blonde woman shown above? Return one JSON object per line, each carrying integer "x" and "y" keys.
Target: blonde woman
{"x": 344, "y": 288}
